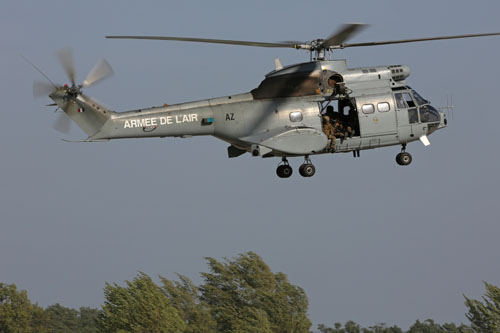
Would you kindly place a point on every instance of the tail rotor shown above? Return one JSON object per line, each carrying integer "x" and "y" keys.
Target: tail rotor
{"x": 62, "y": 94}
{"x": 66, "y": 59}
{"x": 101, "y": 71}
{"x": 62, "y": 123}
{"x": 43, "y": 89}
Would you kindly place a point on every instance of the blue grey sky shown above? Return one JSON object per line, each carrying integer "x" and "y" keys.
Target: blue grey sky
{"x": 368, "y": 240}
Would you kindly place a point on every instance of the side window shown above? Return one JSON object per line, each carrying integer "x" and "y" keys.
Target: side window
{"x": 413, "y": 116}
{"x": 368, "y": 108}
{"x": 409, "y": 100}
{"x": 296, "y": 116}
{"x": 383, "y": 107}
{"x": 400, "y": 101}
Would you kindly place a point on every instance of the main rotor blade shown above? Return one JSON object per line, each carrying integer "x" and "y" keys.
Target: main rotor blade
{"x": 62, "y": 123}
{"x": 42, "y": 89}
{"x": 341, "y": 46}
{"x": 345, "y": 32}
{"x": 101, "y": 71}
{"x": 66, "y": 58}
{"x": 206, "y": 40}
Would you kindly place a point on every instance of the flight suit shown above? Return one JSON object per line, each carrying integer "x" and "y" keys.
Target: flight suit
{"x": 329, "y": 131}
{"x": 338, "y": 129}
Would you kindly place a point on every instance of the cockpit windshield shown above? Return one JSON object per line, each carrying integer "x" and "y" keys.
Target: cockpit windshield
{"x": 417, "y": 106}
{"x": 429, "y": 114}
{"x": 419, "y": 99}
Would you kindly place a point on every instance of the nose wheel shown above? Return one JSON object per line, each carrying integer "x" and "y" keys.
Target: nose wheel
{"x": 284, "y": 170}
{"x": 403, "y": 158}
{"x": 307, "y": 169}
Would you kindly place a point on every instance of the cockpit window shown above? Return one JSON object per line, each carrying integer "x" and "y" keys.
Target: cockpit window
{"x": 428, "y": 114}
{"x": 420, "y": 100}
{"x": 400, "y": 101}
{"x": 412, "y": 116}
{"x": 409, "y": 100}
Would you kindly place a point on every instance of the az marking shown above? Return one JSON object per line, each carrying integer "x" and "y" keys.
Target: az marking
{"x": 229, "y": 116}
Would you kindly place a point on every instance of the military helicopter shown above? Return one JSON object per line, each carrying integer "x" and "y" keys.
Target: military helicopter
{"x": 286, "y": 115}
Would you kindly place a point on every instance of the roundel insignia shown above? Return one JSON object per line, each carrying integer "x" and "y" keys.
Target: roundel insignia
{"x": 375, "y": 120}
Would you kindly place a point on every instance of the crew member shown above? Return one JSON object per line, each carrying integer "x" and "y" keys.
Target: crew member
{"x": 338, "y": 130}
{"x": 329, "y": 132}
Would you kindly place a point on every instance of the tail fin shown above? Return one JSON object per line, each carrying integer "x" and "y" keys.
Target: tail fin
{"x": 89, "y": 115}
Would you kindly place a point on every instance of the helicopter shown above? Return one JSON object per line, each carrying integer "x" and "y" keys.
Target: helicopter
{"x": 290, "y": 114}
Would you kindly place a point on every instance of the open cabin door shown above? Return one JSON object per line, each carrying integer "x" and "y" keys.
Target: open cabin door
{"x": 377, "y": 115}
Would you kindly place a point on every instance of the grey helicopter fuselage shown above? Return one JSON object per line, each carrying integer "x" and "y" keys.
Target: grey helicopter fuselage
{"x": 283, "y": 116}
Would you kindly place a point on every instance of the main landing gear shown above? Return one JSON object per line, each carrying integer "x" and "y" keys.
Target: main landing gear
{"x": 307, "y": 169}
{"x": 284, "y": 170}
{"x": 403, "y": 158}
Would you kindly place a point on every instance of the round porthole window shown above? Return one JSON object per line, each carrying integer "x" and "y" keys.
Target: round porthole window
{"x": 296, "y": 116}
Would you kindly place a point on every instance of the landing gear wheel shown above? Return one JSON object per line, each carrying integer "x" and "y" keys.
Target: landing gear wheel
{"x": 307, "y": 170}
{"x": 398, "y": 159}
{"x": 284, "y": 171}
{"x": 403, "y": 158}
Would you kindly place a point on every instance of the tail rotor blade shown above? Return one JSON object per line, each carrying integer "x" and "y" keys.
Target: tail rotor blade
{"x": 101, "y": 71}
{"x": 62, "y": 123}
{"x": 66, "y": 58}
{"x": 42, "y": 89}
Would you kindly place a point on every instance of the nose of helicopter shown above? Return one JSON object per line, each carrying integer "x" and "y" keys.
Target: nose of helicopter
{"x": 444, "y": 122}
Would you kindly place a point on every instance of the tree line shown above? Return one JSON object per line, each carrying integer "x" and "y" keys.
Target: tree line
{"x": 241, "y": 294}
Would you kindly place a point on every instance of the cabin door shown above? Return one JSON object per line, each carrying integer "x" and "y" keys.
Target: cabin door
{"x": 377, "y": 115}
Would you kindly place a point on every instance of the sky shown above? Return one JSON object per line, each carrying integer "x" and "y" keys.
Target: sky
{"x": 368, "y": 240}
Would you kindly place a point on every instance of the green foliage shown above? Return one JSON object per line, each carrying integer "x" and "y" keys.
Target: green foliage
{"x": 15, "y": 309}
{"x": 241, "y": 295}
{"x": 352, "y": 327}
{"x": 185, "y": 297}
{"x": 88, "y": 320}
{"x": 244, "y": 295}
{"x": 61, "y": 319}
{"x": 17, "y": 314}
{"x": 39, "y": 320}
{"x": 140, "y": 307}
{"x": 485, "y": 317}
{"x": 429, "y": 326}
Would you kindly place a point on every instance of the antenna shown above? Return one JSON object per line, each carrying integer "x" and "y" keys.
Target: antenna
{"x": 449, "y": 106}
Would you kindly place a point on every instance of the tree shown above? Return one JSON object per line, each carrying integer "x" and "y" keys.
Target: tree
{"x": 429, "y": 326}
{"x": 87, "y": 320}
{"x": 244, "y": 295}
{"x": 61, "y": 319}
{"x": 140, "y": 307}
{"x": 185, "y": 297}
{"x": 485, "y": 317}
{"x": 15, "y": 309}
{"x": 352, "y": 327}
